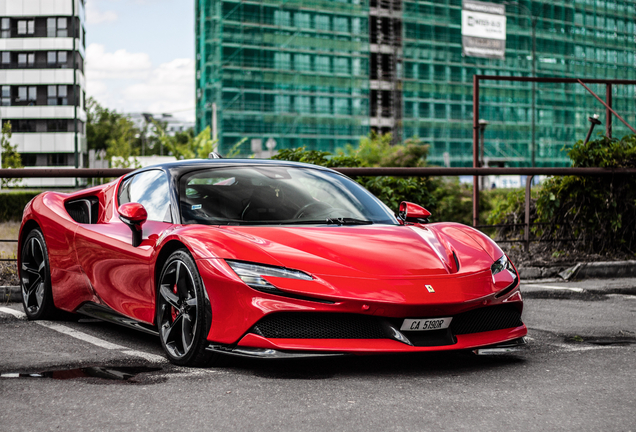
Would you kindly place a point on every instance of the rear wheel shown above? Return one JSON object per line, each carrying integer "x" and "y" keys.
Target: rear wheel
{"x": 35, "y": 278}
{"x": 182, "y": 320}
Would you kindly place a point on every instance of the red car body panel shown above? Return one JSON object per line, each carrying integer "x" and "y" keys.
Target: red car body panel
{"x": 374, "y": 270}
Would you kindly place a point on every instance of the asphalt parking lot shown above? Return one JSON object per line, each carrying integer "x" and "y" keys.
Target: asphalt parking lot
{"x": 578, "y": 372}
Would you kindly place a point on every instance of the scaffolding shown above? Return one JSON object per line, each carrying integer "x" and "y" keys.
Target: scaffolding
{"x": 293, "y": 71}
{"x": 322, "y": 73}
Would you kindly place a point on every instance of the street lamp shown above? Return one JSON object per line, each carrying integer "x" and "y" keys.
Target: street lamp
{"x": 533, "y": 20}
{"x": 593, "y": 122}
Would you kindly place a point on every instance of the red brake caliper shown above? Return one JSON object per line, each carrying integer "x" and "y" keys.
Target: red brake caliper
{"x": 174, "y": 311}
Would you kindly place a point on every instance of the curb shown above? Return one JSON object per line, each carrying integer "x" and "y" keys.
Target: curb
{"x": 534, "y": 273}
{"x": 600, "y": 270}
{"x": 10, "y": 294}
{"x": 590, "y": 270}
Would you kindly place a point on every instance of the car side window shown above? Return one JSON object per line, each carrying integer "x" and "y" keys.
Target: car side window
{"x": 150, "y": 189}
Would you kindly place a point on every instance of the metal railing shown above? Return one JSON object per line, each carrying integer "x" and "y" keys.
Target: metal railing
{"x": 609, "y": 111}
{"x": 356, "y": 172}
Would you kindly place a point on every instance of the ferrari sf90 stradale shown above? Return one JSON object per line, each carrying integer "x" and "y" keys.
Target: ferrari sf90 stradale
{"x": 267, "y": 259}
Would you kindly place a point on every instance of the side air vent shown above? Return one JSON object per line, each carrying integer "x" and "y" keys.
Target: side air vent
{"x": 84, "y": 210}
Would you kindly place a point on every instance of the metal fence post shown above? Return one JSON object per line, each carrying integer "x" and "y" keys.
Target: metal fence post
{"x": 526, "y": 234}
{"x": 475, "y": 149}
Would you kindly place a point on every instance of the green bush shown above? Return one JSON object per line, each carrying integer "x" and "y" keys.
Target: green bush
{"x": 12, "y": 204}
{"x": 598, "y": 211}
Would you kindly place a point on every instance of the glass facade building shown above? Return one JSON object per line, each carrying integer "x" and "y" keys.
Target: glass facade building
{"x": 322, "y": 73}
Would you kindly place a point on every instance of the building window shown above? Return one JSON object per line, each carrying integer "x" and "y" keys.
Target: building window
{"x": 5, "y": 28}
{"x": 27, "y": 94}
{"x": 6, "y": 57}
{"x": 52, "y": 95}
{"x": 56, "y": 27}
{"x": 6, "y": 95}
{"x": 25, "y": 59}
{"x": 62, "y": 57}
{"x": 57, "y": 126}
{"x": 57, "y": 95}
{"x": 57, "y": 159}
{"x": 26, "y": 27}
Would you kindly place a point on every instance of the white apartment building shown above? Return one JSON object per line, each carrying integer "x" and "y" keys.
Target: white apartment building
{"x": 42, "y": 52}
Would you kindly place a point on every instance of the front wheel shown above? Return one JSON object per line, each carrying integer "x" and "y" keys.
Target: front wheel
{"x": 181, "y": 312}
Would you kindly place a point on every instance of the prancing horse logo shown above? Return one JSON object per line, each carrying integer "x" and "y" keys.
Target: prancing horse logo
{"x": 430, "y": 288}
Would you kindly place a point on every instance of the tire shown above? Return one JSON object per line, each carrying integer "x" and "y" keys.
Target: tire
{"x": 183, "y": 317}
{"x": 35, "y": 278}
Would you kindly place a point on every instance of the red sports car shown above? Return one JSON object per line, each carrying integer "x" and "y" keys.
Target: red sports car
{"x": 268, "y": 259}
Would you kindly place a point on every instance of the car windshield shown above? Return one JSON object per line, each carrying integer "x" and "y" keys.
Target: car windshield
{"x": 274, "y": 195}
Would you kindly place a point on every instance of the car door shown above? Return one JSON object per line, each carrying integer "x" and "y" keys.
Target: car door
{"x": 122, "y": 275}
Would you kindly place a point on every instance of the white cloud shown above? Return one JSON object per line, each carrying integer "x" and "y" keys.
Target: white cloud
{"x": 127, "y": 82}
{"x": 120, "y": 64}
{"x": 169, "y": 88}
{"x": 95, "y": 16}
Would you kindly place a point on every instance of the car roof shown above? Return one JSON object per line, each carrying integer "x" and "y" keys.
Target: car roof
{"x": 178, "y": 168}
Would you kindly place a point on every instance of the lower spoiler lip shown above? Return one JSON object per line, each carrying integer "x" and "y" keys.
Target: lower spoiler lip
{"x": 268, "y": 353}
{"x": 508, "y": 347}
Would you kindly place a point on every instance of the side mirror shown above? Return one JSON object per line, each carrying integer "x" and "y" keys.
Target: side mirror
{"x": 410, "y": 212}
{"x": 134, "y": 215}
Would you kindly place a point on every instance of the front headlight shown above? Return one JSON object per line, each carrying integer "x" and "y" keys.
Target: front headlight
{"x": 502, "y": 264}
{"x": 252, "y": 274}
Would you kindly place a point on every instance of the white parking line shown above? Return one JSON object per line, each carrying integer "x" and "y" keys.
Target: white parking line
{"x": 15, "y": 313}
{"x": 554, "y": 287}
{"x": 623, "y": 296}
{"x": 79, "y": 335}
{"x": 582, "y": 348}
{"x": 88, "y": 338}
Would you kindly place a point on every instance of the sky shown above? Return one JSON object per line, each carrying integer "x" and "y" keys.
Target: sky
{"x": 140, "y": 55}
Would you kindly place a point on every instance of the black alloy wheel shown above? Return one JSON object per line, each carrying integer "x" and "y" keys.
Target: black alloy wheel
{"x": 35, "y": 277}
{"x": 182, "y": 312}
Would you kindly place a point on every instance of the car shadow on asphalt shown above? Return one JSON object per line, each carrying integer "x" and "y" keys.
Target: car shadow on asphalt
{"x": 420, "y": 364}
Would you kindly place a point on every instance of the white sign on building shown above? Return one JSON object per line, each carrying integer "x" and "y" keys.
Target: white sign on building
{"x": 483, "y": 29}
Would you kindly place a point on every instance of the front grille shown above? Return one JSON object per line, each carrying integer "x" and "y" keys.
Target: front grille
{"x": 303, "y": 325}
{"x": 319, "y": 325}
{"x": 486, "y": 319}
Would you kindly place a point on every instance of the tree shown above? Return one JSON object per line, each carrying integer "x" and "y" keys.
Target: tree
{"x": 205, "y": 144}
{"x": 119, "y": 148}
{"x": 101, "y": 125}
{"x": 9, "y": 154}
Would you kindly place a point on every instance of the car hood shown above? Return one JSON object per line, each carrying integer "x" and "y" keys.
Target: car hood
{"x": 371, "y": 251}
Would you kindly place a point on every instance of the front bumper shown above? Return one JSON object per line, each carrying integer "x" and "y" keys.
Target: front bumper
{"x": 256, "y": 346}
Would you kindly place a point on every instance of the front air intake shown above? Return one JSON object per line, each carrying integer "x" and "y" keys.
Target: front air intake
{"x": 303, "y": 325}
{"x": 486, "y": 319}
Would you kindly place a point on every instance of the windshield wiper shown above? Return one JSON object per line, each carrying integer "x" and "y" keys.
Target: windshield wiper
{"x": 348, "y": 221}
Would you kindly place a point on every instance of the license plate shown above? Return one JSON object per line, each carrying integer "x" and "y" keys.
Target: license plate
{"x": 426, "y": 324}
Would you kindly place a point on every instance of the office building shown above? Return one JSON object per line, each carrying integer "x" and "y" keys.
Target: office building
{"x": 42, "y": 52}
